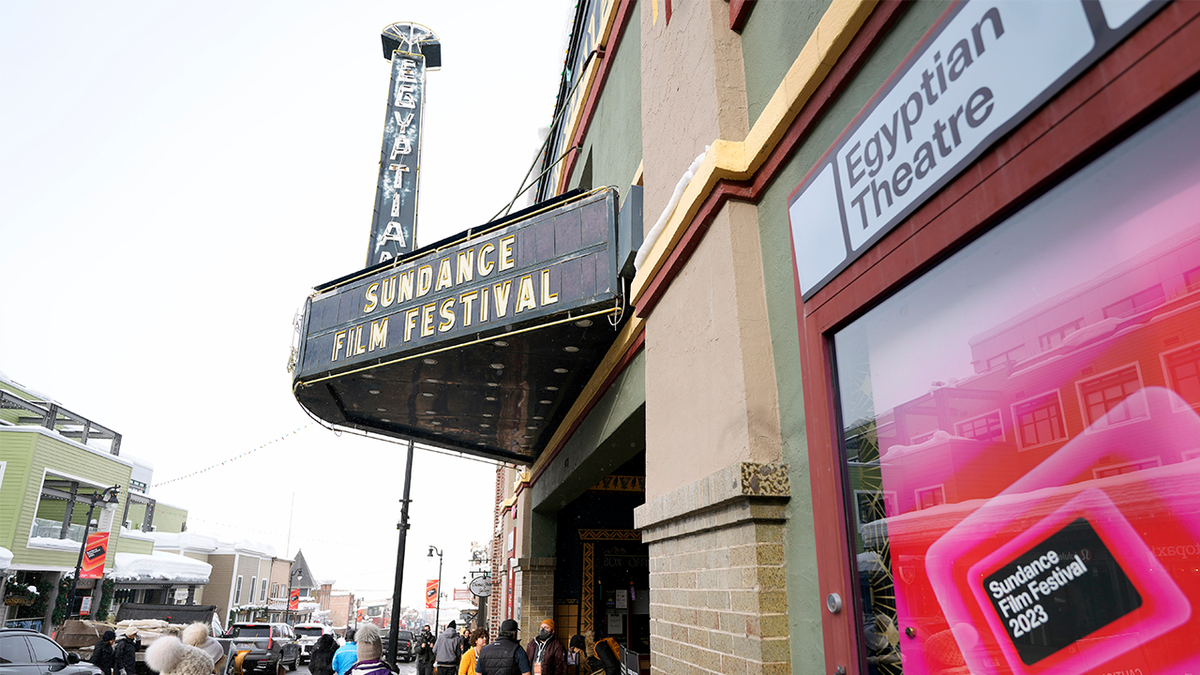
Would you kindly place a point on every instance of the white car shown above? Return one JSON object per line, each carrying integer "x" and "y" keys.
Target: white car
{"x": 308, "y": 634}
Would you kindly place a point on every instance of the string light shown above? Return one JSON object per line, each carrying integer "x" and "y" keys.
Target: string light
{"x": 232, "y": 459}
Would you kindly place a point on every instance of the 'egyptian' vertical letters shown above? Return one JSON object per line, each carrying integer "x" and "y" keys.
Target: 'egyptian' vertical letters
{"x": 394, "y": 226}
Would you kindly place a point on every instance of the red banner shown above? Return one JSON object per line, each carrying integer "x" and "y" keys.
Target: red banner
{"x": 431, "y": 593}
{"x": 294, "y": 599}
{"x": 94, "y": 553}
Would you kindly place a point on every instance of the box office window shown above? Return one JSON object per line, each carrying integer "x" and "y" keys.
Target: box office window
{"x": 1062, "y": 546}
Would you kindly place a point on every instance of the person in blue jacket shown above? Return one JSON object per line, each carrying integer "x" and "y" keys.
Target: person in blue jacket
{"x": 346, "y": 655}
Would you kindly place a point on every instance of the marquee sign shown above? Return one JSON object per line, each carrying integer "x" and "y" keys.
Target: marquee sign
{"x": 549, "y": 263}
{"x": 516, "y": 302}
{"x": 988, "y": 66}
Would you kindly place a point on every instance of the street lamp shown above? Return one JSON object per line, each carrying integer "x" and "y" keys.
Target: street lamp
{"x": 109, "y": 496}
{"x": 287, "y": 608}
{"x": 437, "y": 613}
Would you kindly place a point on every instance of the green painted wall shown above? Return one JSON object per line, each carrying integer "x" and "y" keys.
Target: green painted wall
{"x": 804, "y": 595}
{"x": 35, "y": 452}
{"x": 169, "y": 518}
{"x": 771, "y": 39}
{"x": 16, "y": 451}
{"x": 614, "y": 139}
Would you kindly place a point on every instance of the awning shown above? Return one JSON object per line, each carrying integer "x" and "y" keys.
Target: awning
{"x": 479, "y": 343}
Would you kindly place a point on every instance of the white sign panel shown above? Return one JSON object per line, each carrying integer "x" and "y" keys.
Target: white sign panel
{"x": 983, "y": 70}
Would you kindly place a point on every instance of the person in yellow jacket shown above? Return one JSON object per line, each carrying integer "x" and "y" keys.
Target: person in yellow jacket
{"x": 477, "y": 641}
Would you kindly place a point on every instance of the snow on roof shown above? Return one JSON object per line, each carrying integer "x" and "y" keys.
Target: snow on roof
{"x": 247, "y": 546}
{"x": 5, "y": 554}
{"x": 160, "y": 566}
{"x": 136, "y": 534}
{"x": 54, "y": 543}
{"x": 185, "y": 541}
{"x": 207, "y": 544}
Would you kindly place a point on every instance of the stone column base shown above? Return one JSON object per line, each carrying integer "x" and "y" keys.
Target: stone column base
{"x": 536, "y": 593}
{"x": 718, "y": 600}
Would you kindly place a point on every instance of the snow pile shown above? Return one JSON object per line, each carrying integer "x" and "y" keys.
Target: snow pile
{"x": 939, "y": 437}
{"x": 160, "y": 566}
{"x": 5, "y": 554}
{"x": 185, "y": 540}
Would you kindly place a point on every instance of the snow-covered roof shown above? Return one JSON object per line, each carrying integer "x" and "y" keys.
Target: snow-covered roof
{"x": 5, "y": 554}
{"x": 185, "y": 541}
{"x": 160, "y": 566}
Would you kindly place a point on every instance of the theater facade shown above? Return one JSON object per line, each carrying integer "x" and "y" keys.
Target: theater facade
{"x": 906, "y": 377}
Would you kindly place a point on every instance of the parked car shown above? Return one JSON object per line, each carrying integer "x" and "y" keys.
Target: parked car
{"x": 270, "y": 644}
{"x": 28, "y": 652}
{"x": 308, "y": 633}
{"x": 404, "y": 645}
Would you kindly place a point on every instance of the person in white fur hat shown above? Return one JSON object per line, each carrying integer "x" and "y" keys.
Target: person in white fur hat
{"x": 169, "y": 656}
{"x": 196, "y": 635}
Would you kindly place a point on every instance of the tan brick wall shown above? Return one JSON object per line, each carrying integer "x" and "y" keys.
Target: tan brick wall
{"x": 718, "y": 601}
{"x": 537, "y": 593}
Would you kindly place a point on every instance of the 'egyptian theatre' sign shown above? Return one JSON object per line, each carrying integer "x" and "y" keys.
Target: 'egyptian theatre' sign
{"x": 485, "y": 314}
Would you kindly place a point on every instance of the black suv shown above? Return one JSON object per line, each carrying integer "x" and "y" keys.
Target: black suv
{"x": 28, "y": 652}
{"x": 269, "y": 644}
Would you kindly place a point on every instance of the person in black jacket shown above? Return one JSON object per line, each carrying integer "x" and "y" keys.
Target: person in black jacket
{"x": 125, "y": 652}
{"x": 321, "y": 662}
{"x": 102, "y": 654}
{"x": 504, "y": 656}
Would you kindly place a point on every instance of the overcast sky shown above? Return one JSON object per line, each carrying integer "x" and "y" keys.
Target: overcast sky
{"x": 174, "y": 179}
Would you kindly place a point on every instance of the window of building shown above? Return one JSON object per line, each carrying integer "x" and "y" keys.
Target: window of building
{"x": 1140, "y": 301}
{"x": 983, "y": 428}
{"x": 1101, "y": 398}
{"x": 1054, "y": 338}
{"x": 1128, "y": 467}
{"x": 263, "y": 596}
{"x": 253, "y": 588}
{"x": 930, "y": 496}
{"x": 1192, "y": 278}
{"x": 237, "y": 592}
{"x": 1182, "y": 368}
{"x": 274, "y": 590}
{"x": 1011, "y": 356}
{"x": 1039, "y": 420}
{"x": 1128, "y": 215}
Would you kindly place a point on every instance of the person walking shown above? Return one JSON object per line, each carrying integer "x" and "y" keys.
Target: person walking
{"x": 504, "y": 656}
{"x": 545, "y": 652}
{"x": 321, "y": 660}
{"x": 448, "y": 650}
{"x": 370, "y": 652}
{"x": 125, "y": 652}
{"x": 346, "y": 655}
{"x": 102, "y": 654}
{"x": 478, "y": 639}
{"x": 425, "y": 644}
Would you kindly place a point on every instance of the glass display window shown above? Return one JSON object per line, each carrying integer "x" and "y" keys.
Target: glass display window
{"x": 1020, "y": 433}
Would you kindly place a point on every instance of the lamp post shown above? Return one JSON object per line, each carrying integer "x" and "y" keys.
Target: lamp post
{"x": 108, "y": 496}
{"x": 437, "y": 613}
{"x": 287, "y": 608}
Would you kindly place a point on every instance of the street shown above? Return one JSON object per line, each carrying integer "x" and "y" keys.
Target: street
{"x": 404, "y": 669}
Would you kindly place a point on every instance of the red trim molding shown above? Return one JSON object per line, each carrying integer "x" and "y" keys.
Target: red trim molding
{"x": 1150, "y": 70}
{"x": 864, "y": 42}
{"x": 605, "y": 56}
{"x": 739, "y": 11}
